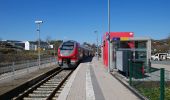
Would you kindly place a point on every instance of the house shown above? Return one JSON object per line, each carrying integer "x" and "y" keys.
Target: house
{"x": 28, "y": 45}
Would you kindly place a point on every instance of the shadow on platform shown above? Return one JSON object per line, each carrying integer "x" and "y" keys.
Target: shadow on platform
{"x": 87, "y": 59}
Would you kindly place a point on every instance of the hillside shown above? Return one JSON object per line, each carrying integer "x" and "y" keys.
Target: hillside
{"x": 161, "y": 46}
{"x": 12, "y": 53}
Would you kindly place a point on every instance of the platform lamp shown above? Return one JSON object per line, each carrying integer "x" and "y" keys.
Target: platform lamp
{"x": 108, "y": 36}
{"x": 38, "y": 22}
{"x": 97, "y": 45}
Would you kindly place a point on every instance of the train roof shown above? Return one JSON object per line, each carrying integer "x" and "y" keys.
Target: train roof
{"x": 86, "y": 47}
{"x": 70, "y": 41}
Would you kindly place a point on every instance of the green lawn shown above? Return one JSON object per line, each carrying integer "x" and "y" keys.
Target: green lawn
{"x": 154, "y": 93}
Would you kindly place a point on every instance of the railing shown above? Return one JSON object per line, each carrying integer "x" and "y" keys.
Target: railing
{"x": 167, "y": 85}
{"x": 19, "y": 65}
{"x": 154, "y": 85}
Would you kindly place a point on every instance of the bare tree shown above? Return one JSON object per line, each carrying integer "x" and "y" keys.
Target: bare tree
{"x": 48, "y": 39}
{"x": 168, "y": 36}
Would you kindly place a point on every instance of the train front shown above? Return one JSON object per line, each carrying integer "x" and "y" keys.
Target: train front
{"x": 67, "y": 54}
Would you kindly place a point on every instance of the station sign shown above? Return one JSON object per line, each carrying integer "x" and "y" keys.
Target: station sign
{"x": 116, "y": 39}
{"x": 124, "y": 38}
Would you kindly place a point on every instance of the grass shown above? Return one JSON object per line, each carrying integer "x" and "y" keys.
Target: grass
{"x": 154, "y": 93}
{"x": 11, "y": 55}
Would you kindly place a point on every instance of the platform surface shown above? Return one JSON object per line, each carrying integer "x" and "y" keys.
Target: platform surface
{"x": 91, "y": 81}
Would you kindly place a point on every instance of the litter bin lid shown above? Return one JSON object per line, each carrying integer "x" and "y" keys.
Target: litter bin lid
{"x": 137, "y": 61}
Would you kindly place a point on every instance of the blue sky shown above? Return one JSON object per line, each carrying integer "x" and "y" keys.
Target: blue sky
{"x": 78, "y": 19}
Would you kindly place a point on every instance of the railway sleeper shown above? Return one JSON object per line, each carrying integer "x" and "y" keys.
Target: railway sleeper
{"x": 32, "y": 95}
{"x": 52, "y": 82}
{"x": 55, "y": 80}
{"x": 43, "y": 92}
{"x": 57, "y": 94}
{"x": 45, "y": 89}
{"x": 28, "y": 98}
{"x": 54, "y": 98}
{"x": 48, "y": 86}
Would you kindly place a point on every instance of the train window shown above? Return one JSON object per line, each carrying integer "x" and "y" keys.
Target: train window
{"x": 67, "y": 46}
{"x": 68, "y": 43}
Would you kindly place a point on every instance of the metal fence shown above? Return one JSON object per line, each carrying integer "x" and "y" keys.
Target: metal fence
{"x": 14, "y": 66}
{"x": 154, "y": 85}
{"x": 167, "y": 85}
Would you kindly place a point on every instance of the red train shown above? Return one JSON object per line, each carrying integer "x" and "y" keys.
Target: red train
{"x": 70, "y": 53}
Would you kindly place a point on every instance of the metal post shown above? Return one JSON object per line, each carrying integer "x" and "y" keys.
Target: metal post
{"x": 102, "y": 45}
{"x": 149, "y": 65}
{"x": 97, "y": 45}
{"x": 111, "y": 57}
{"x": 28, "y": 66}
{"x": 108, "y": 35}
{"x": 50, "y": 61}
{"x": 54, "y": 52}
{"x": 55, "y": 61}
{"x": 148, "y": 54}
{"x": 38, "y": 31}
{"x": 130, "y": 72}
{"x": 102, "y": 52}
{"x": 114, "y": 57}
{"x": 37, "y": 62}
{"x": 162, "y": 84}
{"x": 13, "y": 70}
{"x": 39, "y": 58}
{"x": 97, "y": 48}
{"x": 45, "y": 62}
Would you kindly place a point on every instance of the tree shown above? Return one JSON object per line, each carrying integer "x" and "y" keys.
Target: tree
{"x": 48, "y": 39}
{"x": 87, "y": 44}
{"x": 56, "y": 43}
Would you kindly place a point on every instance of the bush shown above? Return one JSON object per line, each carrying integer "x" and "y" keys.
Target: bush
{"x": 11, "y": 55}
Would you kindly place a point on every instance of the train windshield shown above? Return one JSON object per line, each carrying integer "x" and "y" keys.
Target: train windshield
{"x": 67, "y": 46}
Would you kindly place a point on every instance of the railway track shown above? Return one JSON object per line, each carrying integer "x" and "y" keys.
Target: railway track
{"x": 48, "y": 88}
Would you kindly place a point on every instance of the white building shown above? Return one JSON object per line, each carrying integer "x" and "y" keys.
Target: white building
{"x": 30, "y": 45}
{"x": 51, "y": 46}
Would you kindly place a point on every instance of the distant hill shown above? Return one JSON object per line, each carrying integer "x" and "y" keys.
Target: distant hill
{"x": 12, "y": 53}
{"x": 161, "y": 46}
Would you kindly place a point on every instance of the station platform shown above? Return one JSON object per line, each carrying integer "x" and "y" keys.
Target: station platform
{"x": 91, "y": 81}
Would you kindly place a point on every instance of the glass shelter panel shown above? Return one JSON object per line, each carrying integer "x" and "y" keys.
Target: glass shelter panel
{"x": 137, "y": 49}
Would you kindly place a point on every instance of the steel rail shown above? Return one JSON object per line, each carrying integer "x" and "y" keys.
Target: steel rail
{"x": 21, "y": 96}
{"x": 58, "y": 87}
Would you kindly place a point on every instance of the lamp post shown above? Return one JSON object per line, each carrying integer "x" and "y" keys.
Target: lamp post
{"x": 38, "y": 31}
{"x": 97, "y": 45}
{"x": 108, "y": 37}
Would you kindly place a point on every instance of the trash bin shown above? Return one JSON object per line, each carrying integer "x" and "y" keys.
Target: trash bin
{"x": 137, "y": 69}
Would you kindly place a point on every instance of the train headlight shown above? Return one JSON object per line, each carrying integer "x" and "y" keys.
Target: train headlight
{"x": 74, "y": 56}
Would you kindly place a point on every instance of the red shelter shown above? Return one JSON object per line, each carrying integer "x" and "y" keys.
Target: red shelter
{"x": 121, "y": 35}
